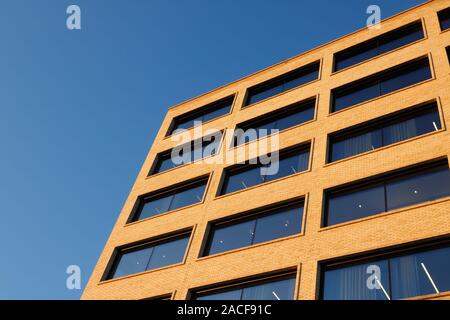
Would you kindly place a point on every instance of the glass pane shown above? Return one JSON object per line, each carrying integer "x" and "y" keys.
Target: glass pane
{"x": 357, "y": 95}
{"x": 425, "y": 186}
{"x": 275, "y": 290}
{"x": 289, "y": 165}
{"x": 406, "y": 77}
{"x": 188, "y": 197}
{"x": 217, "y": 113}
{"x": 168, "y": 253}
{"x": 301, "y": 80}
{"x": 296, "y": 118}
{"x": 232, "y": 237}
{"x": 132, "y": 262}
{"x": 444, "y": 18}
{"x": 243, "y": 180}
{"x": 402, "y": 38}
{"x": 355, "y": 204}
{"x": 155, "y": 207}
{"x": 265, "y": 93}
{"x": 357, "y": 282}
{"x": 186, "y": 124}
{"x": 227, "y": 295}
{"x": 428, "y": 122}
{"x": 164, "y": 163}
{"x": 278, "y": 225}
{"x": 356, "y": 145}
{"x": 437, "y": 263}
{"x": 356, "y": 55}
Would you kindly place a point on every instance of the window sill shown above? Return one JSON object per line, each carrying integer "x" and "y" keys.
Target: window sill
{"x": 384, "y": 214}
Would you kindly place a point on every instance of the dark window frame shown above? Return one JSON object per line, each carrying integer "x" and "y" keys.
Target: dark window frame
{"x": 210, "y": 107}
{"x": 280, "y": 80}
{"x": 160, "y": 155}
{"x": 114, "y": 260}
{"x": 376, "y": 255}
{"x": 247, "y": 166}
{"x": 380, "y": 123}
{"x": 443, "y": 14}
{"x": 382, "y": 178}
{"x": 383, "y": 38}
{"x": 170, "y": 190}
{"x": 249, "y": 216}
{"x": 378, "y": 78}
{"x": 275, "y": 115}
{"x": 245, "y": 282}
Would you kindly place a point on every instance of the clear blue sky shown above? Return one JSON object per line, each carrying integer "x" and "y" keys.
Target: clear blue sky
{"x": 80, "y": 109}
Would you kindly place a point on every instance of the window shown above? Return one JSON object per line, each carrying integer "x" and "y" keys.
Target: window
{"x": 384, "y": 131}
{"x": 207, "y": 113}
{"x": 379, "y": 45}
{"x": 273, "y": 224}
{"x": 193, "y": 151}
{"x": 448, "y": 54}
{"x": 421, "y": 184}
{"x": 180, "y": 196}
{"x": 409, "y": 274}
{"x": 149, "y": 256}
{"x": 380, "y": 84}
{"x": 444, "y": 19}
{"x": 280, "y": 288}
{"x": 278, "y": 120}
{"x": 283, "y": 83}
{"x": 245, "y": 176}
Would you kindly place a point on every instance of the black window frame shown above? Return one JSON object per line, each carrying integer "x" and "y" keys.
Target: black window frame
{"x": 251, "y": 215}
{"x": 383, "y": 178}
{"x": 159, "y": 157}
{"x": 376, "y": 255}
{"x": 375, "y": 42}
{"x": 443, "y": 14}
{"x": 275, "y": 115}
{"x": 152, "y": 242}
{"x": 209, "y": 108}
{"x": 247, "y": 166}
{"x": 280, "y": 80}
{"x": 380, "y": 123}
{"x": 242, "y": 283}
{"x": 168, "y": 191}
{"x": 378, "y": 78}
{"x": 447, "y": 50}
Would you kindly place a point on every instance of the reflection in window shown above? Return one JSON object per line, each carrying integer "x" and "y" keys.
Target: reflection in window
{"x": 207, "y": 113}
{"x": 380, "y": 84}
{"x": 277, "y": 223}
{"x": 444, "y": 19}
{"x": 389, "y": 193}
{"x": 182, "y": 196}
{"x": 283, "y": 83}
{"x": 400, "y": 276}
{"x": 149, "y": 256}
{"x": 379, "y": 45}
{"x": 196, "y": 150}
{"x": 248, "y": 175}
{"x": 278, "y": 289}
{"x": 277, "y": 120}
{"x": 384, "y": 132}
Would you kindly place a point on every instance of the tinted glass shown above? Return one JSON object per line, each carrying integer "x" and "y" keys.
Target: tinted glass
{"x": 404, "y": 37}
{"x": 132, "y": 262}
{"x": 426, "y": 186}
{"x": 155, "y": 207}
{"x": 188, "y": 197}
{"x": 406, "y": 77}
{"x": 355, "y": 204}
{"x": 361, "y": 93}
{"x": 278, "y": 225}
{"x": 289, "y": 165}
{"x": 168, "y": 253}
{"x": 356, "y": 55}
{"x": 444, "y": 18}
{"x": 301, "y": 79}
{"x": 264, "y": 93}
{"x": 228, "y": 295}
{"x": 295, "y": 118}
{"x": 275, "y": 290}
{"x": 232, "y": 237}
{"x": 243, "y": 180}
{"x": 353, "y": 145}
{"x": 357, "y": 282}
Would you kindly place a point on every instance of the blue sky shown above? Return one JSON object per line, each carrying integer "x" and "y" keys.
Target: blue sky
{"x": 79, "y": 109}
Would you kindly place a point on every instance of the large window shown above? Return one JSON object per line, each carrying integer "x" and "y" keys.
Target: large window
{"x": 259, "y": 227}
{"x": 421, "y": 184}
{"x": 379, "y": 45}
{"x": 199, "y": 149}
{"x": 278, "y": 120}
{"x": 207, "y": 113}
{"x": 444, "y": 19}
{"x": 283, "y": 83}
{"x": 384, "y": 131}
{"x": 279, "y": 288}
{"x": 247, "y": 175}
{"x": 180, "y": 196}
{"x": 409, "y": 274}
{"x": 380, "y": 84}
{"x": 157, "y": 254}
